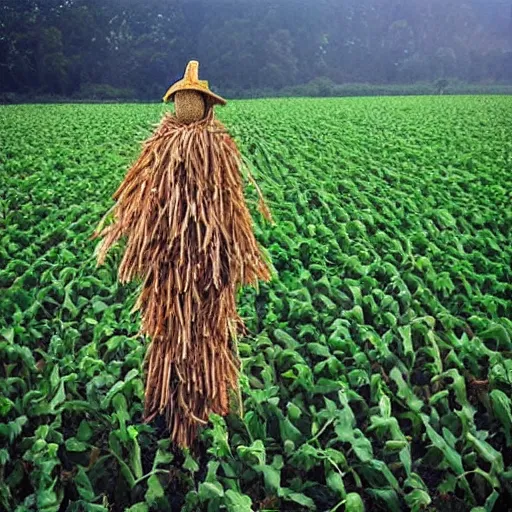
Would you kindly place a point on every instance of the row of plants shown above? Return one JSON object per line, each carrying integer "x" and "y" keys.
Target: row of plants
{"x": 377, "y": 369}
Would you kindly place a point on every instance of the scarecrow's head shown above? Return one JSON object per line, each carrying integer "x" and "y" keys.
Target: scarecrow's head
{"x": 192, "y": 97}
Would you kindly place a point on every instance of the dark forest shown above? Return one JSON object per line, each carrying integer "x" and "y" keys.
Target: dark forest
{"x": 134, "y": 49}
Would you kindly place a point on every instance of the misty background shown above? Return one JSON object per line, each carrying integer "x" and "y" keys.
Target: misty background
{"x": 135, "y": 49}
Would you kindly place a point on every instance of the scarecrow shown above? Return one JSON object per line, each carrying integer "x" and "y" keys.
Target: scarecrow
{"x": 189, "y": 239}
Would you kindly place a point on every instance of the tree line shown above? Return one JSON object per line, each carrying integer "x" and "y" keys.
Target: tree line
{"x": 136, "y": 48}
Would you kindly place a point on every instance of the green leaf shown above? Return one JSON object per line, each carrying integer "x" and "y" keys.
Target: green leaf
{"x": 73, "y": 445}
{"x": 299, "y": 498}
{"x": 405, "y": 333}
{"x": 318, "y": 349}
{"x": 417, "y": 500}
{"x": 498, "y": 333}
{"x": 289, "y": 431}
{"x": 237, "y": 502}
{"x": 388, "y": 496}
{"x": 210, "y": 490}
{"x": 305, "y": 457}
{"x": 254, "y": 454}
{"x": 163, "y": 455}
{"x": 98, "y": 306}
{"x": 83, "y": 485}
{"x": 452, "y": 457}
{"x": 190, "y": 464}
{"x": 59, "y": 397}
{"x": 356, "y": 313}
{"x": 335, "y": 483}
{"x": 501, "y": 406}
{"x": 4, "y": 456}
{"x": 395, "y": 446}
{"x": 84, "y": 431}
{"x": 138, "y": 507}
{"x": 47, "y": 501}
{"x": 405, "y": 392}
{"x": 116, "y": 450}
{"x": 294, "y": 412}
{"x": 344, "y": 428}
{"x": 415, "y": 481}
{"x": 84, "y": 506}
{"x": 488, "y": 453}
{"x": 491, "y": 501}
{"x": 121, "y": 407}
{"x": 155, "y": 491}
{"x": 8, "y": 334}
{"x": 272, "y": 478}
{"x": 362, "y": 446}
{"x": 211, "y": 475}
{"x": 118, "y": 386}
{"x": 13, "y": 429}
{"x": 406, "y": 460}
{"x": 286, "y": 339}
{"x": 54, "y": 378}
{"x": 383, "y": 469}
{"x": 219, "y": 437}
{"x": 354, "y": 503}
{"x": 385, "y": 406}
{"x": 5, "y": 405}
{"x": 135, "y": 453}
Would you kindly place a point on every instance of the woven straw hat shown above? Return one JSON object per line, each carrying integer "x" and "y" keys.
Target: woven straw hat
{"x": 191, "y": 82}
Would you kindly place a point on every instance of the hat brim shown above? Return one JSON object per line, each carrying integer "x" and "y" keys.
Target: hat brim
{"x": 169, "y": 96}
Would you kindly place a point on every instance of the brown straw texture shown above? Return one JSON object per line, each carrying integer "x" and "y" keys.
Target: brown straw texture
{"x": 189, "y": 238}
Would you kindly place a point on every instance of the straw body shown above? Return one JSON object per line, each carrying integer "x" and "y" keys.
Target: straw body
{"x": 189, "y": 238}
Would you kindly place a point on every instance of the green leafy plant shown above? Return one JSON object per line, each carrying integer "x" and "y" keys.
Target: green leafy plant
{"x": 377, "y": 368}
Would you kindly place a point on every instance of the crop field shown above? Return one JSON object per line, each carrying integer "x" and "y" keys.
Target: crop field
{"x": 377, "y": 368}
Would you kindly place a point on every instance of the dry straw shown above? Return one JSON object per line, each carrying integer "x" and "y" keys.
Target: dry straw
{"x": 189, "y": 238}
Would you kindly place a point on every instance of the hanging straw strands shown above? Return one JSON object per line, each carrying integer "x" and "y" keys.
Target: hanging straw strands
{"x": 189, "y": 238}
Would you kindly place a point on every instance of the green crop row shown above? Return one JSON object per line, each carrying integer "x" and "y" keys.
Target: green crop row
{"x": 377, "y": 368}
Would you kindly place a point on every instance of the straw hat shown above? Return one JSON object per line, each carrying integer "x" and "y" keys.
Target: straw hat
{"x": 191, "y": 82}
